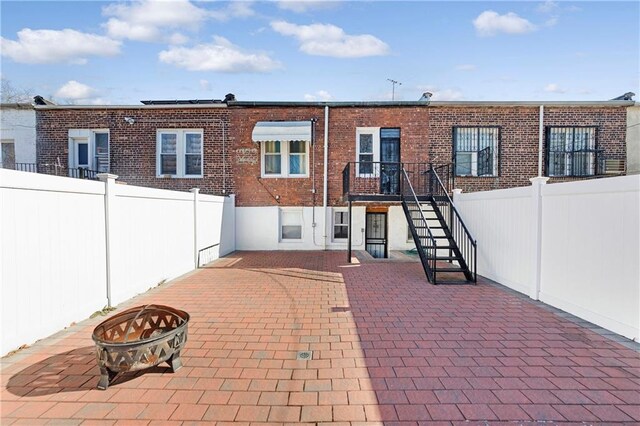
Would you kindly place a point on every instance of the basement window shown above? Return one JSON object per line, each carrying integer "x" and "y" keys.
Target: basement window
{"x": 290, "y": 225}
{"x": 340, "y": 225}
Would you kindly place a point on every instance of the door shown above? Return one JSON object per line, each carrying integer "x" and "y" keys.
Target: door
{"x": 376, "y": 235}
{"x": 8, "y": 155}
{"x": 390, "y": 161}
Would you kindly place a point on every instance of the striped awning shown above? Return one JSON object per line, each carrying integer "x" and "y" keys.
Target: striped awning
{"x": 265, "y": 131}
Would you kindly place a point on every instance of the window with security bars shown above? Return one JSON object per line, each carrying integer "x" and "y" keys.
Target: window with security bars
{"x": 476, "y": 151}
{"x": 571, "y": 151}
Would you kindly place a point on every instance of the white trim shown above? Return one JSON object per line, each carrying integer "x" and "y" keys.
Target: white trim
{"x": 181, "y": 151}
{"x": 284, "y": 160}
{"x": 88, "y": 136}
{"x": 375, "y": 132}
{"x": 290, "y": 210}
{"x": 333, "y": 225}
{"x": 266, "y": 131}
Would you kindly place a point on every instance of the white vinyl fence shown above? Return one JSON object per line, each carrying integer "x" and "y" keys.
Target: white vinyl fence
{"x": 575, "y": 246}
{"x": 70, "y": 245}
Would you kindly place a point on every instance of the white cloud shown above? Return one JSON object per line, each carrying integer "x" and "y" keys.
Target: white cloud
{"x": 302, "y": 6}
{"x": 330, "y": 40}
{"x": 53, "y": 46}
{"x": 320, "y": 95}
{"x": 554, "y": 88}
{"x": 78, "y": 93}
{"x": 547, "y": 7}
{"x": 466, "y": 67}
{"x": 149, "y": 20}
{"x": 490, "y": 23}
{"x": 443, "y": 94}
{"x": 205, "y": 85}
{"x": 236, "y": 9}
{"x": 219, "y": 56}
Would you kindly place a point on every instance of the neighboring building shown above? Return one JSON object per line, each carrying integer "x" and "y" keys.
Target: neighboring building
{"x": 18, "y": 136}
{"x": 633, "y": 139}
{"x": 272, "y": 155}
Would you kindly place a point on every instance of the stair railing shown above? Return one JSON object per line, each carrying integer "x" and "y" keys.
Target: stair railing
{"x": 459, "y": 231}
{"x": 422, "y": 237}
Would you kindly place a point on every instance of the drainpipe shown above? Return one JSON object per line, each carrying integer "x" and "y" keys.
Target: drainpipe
{"x": 325, "y": 179}
{"x": 540, "y": 140}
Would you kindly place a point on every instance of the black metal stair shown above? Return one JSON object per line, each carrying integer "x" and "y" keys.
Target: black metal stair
{"x": 445, "y": 247}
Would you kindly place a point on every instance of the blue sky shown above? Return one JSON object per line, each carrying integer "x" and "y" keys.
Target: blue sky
{"x": 122, "y": 52}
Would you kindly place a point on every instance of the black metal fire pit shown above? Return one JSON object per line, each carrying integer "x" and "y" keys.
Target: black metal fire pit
{"x": 139, "y": 338}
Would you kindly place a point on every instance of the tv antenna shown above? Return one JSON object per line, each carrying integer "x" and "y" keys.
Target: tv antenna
{"x": 393, "y": 87}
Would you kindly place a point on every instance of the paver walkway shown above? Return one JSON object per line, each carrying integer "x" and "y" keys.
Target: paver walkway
{"x": 387, "y": 347}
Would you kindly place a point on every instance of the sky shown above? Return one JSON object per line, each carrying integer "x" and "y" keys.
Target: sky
{"x": 121, "y": 52}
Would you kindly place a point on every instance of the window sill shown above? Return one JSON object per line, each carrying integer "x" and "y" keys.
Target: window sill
{"x": 284, "y": 176}
{"x": 479, "y": 177}
{"x": 178, "y": 177}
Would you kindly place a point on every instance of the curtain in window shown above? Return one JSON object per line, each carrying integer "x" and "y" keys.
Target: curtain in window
{"x": 272, "y": 158}
{"x": 297, "y": 158}
{"x": 168, "y": 153}
{"x": 193, "y": 154}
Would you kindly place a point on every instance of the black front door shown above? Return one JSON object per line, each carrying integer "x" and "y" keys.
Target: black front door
{"x": 376, "y": 234}
{"x": 390, "y": 161}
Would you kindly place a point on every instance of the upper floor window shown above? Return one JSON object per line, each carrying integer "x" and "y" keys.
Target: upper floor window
{"x": 285, "y": 158}
{"x": 571, "y": 151}
{"x": 89, "y": 150}
{"x": 284, "y": 147}
{"x": 476, "y": 151}
{"x": 179, "y": 153}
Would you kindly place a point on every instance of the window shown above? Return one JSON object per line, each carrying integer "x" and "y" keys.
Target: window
{"x": 285, "y": 159}
{"x": 476, "y": 151}
{"x": 571, "y": 151}
{"x": 367, "y": 151}
{"x": 179, "y": 153}
{"x": 8, "y": 154}
{"x": 291, "y": 225}
{"x": 340, "y": 225}
{"x": 89, "y": 149}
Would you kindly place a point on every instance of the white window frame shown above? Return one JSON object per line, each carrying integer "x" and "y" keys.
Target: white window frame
{"x": 334, "y": 224}
{"x": 181, "y": 152}
{"x": 285, "y": 147}
{"x": 88, "y": 136}
{"x": 375, "y": 140}
{"x": 290, "y": 211}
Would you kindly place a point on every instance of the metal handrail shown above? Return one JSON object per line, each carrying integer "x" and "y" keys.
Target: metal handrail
{"x": 455, "y": 221}
{"x": 429, "y": 269}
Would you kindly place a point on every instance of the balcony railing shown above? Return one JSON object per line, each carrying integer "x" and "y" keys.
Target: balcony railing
{"x": 54, "y": 169}
{"x": 385, "y": 178}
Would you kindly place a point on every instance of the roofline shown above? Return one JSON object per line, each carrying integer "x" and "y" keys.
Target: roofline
{"x": 17, "y": 105}
{"x": 432, "y": 103}
{"x": 102, "y": 107}
{"x": 388, "y": 104}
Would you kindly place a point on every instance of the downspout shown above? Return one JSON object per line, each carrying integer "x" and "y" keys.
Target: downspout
{"x": 325, "y": 177}
{"x": 540, "y": 140}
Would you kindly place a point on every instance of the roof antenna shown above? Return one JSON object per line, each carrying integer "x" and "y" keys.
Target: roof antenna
{"x": 393, "y": 88}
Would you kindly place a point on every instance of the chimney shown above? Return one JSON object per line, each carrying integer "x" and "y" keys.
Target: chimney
{"x": 426, "y": 97}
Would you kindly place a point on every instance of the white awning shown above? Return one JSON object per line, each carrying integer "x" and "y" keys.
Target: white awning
{"x": 282, "y": 131}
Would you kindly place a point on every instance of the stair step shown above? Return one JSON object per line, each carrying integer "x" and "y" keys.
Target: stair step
{"x": 446, "y": 258}
{"x": 447, "y": 247}
{"x": 449, "y": 269}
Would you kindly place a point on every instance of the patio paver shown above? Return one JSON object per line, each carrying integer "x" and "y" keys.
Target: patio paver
{"x": 386, "y": 347}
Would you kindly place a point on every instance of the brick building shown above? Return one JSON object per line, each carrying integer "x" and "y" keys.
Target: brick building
{"x": 272, "y": 154}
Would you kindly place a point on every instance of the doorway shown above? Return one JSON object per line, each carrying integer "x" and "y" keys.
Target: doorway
{"x": 376, "y": 234}
{"x": 390, "y": 161}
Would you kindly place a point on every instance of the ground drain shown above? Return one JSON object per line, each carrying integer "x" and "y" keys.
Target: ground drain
{"x": 304, "y": 355}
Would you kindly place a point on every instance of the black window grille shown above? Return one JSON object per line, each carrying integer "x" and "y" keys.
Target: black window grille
{"x": 571, "y": 151}
{"x": 475, "y": 150}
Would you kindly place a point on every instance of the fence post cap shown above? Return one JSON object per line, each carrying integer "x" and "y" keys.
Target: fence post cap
{"x": 540, "y": 180}
{"x": 194, "y": 190}
{"x": 457, "y": 191}
{"x": 106, "y": 176}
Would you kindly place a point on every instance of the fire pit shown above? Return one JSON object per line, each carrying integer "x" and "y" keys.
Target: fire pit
{"x": 139, "y": 338}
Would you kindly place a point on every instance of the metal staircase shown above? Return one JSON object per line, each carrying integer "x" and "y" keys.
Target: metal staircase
{"x": 445, "y": 246}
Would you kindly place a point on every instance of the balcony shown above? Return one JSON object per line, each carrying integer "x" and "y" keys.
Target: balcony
{"x": 381, "y": 181}
{"x": 54, "y": 169}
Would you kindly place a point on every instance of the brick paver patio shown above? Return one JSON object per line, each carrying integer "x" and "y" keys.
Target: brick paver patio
{"x": 387, "y": 347}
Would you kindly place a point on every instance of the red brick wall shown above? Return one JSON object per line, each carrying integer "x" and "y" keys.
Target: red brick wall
{"x": 343, "y": 121}
{"x": 133, "y": 146}
{"x": 518, "y": 160}
{"x": 426, "y": 136}
{"x": 251, "y": 189}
